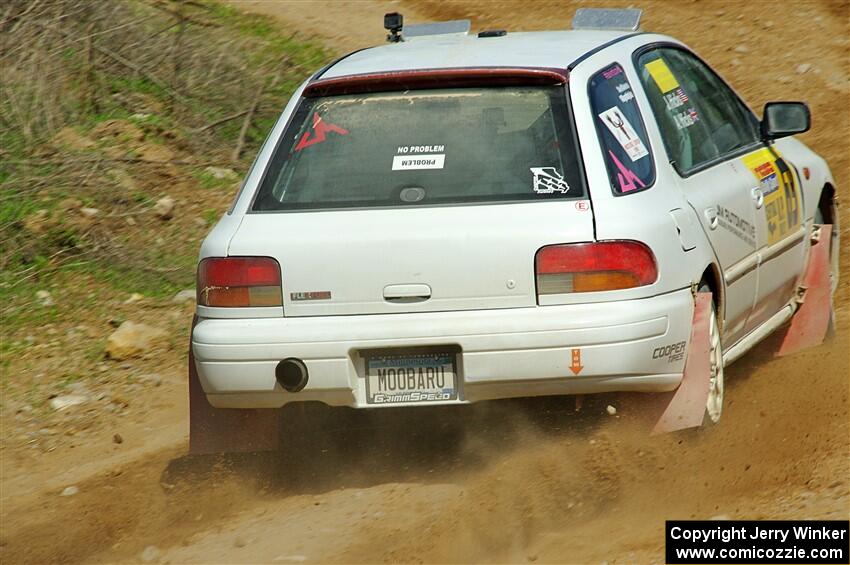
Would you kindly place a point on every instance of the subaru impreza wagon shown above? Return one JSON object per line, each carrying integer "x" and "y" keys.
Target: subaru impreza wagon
{"x": 450, "y": 218}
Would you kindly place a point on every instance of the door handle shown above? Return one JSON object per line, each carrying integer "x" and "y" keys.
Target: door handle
{"x": 711, "y": 216}
{"x": 758, "y": 196}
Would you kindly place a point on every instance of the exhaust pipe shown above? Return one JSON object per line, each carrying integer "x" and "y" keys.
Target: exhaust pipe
{"x": 292, "y": 374}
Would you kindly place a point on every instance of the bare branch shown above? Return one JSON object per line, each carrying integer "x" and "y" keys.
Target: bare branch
{"x": 223, "y": 120}
{"x": 245, "y": 125}
{"x": 237, "y": 152}
{"x": 133, "y": 66}
{"x": 92, "y": 35}
{"x": 18, "y": 18}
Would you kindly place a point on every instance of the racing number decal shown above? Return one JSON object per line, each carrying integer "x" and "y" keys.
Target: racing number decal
{"x": 792, "y": 196}
{"x": 781, "y": 201}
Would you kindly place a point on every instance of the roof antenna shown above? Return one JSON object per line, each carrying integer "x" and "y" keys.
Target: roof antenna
{"x": 393, "y": 23}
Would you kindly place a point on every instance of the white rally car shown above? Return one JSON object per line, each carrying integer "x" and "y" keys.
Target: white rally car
{"x": 450, "y": 218}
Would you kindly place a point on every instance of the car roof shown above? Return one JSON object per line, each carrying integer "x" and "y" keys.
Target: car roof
{"x": 550, "y": 49}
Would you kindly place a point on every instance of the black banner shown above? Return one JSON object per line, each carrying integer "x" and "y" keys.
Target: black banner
{"x": 757, "y": 541}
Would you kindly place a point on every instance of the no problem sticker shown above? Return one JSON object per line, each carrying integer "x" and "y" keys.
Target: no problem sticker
{"x": 412, "y": 162}
{"x": 413, "y": 157}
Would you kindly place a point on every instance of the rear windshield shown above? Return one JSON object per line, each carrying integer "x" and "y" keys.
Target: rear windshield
{"x": 425, "y": 147}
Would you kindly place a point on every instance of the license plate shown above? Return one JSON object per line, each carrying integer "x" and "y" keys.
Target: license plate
{"x": 419, "y": 377}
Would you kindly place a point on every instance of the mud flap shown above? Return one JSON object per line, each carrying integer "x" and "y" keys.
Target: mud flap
{"x": 813, "y": 318}
{"x": 686, "y": 408}
{"x": 226, "y": 430}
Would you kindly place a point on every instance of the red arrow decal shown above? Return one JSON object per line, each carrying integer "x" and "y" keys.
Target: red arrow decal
{"x": 576, "y": 365}
{"x": 320, "y": 131}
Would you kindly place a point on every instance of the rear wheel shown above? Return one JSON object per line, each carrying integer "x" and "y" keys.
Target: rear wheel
{"x": 820, "y": 219}
{"x": 716, "y": 384}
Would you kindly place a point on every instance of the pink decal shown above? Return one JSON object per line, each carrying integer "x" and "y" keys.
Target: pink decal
{"x": 320, "y": 131}
{"x": 612, "y": 72}
{"x": 626, "y": 176}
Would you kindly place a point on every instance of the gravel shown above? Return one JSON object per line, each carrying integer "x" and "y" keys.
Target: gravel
{"x": 70, "y": 491}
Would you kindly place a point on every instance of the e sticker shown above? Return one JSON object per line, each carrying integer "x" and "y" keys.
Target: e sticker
{"x": 662, "y": 75}
{"x": 624, "y": 133}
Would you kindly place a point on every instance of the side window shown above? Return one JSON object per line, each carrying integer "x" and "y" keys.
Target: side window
{"x": 621, "y": 131}
{"x": 700, "y": 117}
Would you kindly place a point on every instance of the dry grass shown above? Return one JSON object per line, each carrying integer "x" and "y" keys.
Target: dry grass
{"x": 108, "y": 105}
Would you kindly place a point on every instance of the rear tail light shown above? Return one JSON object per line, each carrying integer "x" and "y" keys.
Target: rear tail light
{"x": 592, "y": 267}
{"x": 239, "y": 281}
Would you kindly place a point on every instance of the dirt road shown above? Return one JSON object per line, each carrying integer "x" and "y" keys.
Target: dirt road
{"x": 511, "y": 482}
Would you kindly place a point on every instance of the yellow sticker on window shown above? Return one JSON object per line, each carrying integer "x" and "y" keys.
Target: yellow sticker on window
{"x": 662, "y": 75}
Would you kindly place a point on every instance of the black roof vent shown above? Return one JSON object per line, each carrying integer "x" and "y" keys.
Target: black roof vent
{"x": 492, "y": 33}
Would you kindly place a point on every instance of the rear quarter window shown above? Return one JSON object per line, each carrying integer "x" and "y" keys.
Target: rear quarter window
{"x": 621, "y": 132}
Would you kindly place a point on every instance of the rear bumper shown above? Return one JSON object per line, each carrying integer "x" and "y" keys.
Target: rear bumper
{"x": 503, "y": 353}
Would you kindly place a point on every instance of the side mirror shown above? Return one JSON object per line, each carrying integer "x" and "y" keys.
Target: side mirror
{"x": 782, "y": 119}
